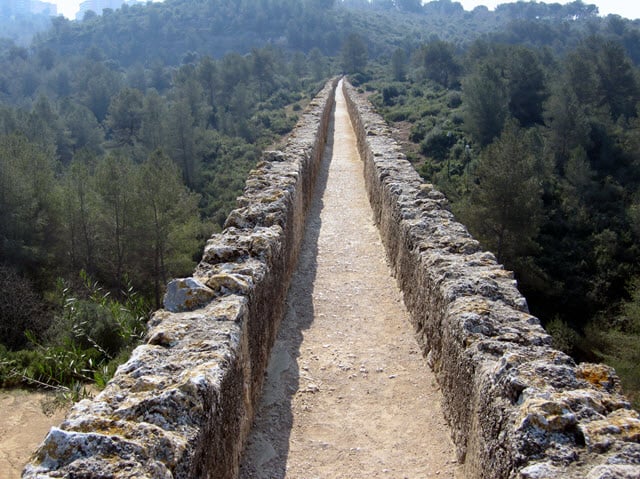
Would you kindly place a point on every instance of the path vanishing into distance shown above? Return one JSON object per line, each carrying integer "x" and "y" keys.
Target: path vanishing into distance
{"x": 347, "y": 393}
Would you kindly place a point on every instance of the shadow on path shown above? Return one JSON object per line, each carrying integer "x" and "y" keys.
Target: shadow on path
{"x": 267, "y": 448}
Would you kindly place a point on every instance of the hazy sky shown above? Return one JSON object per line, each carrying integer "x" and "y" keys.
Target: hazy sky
{"x": 69, "y": 8}
{"x": 625, "y": 8}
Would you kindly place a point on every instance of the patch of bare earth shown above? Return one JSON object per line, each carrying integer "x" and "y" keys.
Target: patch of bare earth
{"x": 25, "y": 419}
{"x": 348, "y": 393}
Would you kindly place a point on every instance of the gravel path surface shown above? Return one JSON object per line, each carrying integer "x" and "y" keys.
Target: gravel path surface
{"x": 348, "y": 393}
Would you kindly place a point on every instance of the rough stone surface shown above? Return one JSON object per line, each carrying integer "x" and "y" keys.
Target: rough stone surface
{"x": 186, "y": 294}
{"x": 517, "y": 408}
{"x": 182, "y": 405}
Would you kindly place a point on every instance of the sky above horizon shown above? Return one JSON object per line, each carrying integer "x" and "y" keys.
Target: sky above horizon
{"x": 624, "y": 8}
{"x": 69, "y": 8}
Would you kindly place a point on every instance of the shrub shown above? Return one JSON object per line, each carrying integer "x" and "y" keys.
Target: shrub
{"x": 90, "y": 337}
{"x": 437, "y": 144}
{"x": 95, "y": 326}
{"x": 358, "y": 79}
{"x": 389, "y": 93}
{"x": 56, "y": 367}
{"x": 457, "y": 119}
{"x": 397, "y": 116}
{"x": 418, "y": 132}
{"x": 562, "y": 336}
{"x": 454, "y": 100}
{"x": 21, "y": 309}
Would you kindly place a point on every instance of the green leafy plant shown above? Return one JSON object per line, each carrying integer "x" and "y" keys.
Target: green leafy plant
{"x": 93, "y": 333}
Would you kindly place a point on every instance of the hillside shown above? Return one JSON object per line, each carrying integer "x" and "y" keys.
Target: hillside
{"x": 166, "y": 31}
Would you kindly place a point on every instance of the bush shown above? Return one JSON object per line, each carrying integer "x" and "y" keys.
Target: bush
{"x": 95, "y": 326}
{"x": 437, "y": 144}
{"x": 418, "y": 132}
{"x": 21, "y": 310}
{"x": 56, "y": 367}
{"x": 391, "y": 93}
{"x": 621, "y": 350}
{"x": 563, "y": 337}
{"x": 431, "y": 110}
{"x": 358, "y": 79}
{"x": 90, "y": 337}
{"x": 388, "y": 95}
{"x": 427, "y": 170}
{"x": 454, "y": 100}
{"x": 457, "y": 119}
{"x": 397, "y": 116}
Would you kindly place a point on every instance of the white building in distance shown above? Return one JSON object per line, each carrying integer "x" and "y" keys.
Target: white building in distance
{"x": 97, "y": 6}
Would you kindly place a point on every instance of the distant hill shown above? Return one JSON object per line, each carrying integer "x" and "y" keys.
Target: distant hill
{"x": 167, "y": 31}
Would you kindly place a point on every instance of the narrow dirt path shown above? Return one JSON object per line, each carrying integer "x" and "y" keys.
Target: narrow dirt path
{"x": 347, "y": 393}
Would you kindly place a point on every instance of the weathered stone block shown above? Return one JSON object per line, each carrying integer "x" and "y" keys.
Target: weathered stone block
{"x": 186, "y": 294}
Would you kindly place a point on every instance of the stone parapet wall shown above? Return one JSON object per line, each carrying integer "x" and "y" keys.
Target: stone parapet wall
{"x": 182, "y": 405}
{"x": 517, "y": 407}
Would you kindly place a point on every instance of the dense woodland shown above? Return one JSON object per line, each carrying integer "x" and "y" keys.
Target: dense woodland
{"x": 125, "y": 138}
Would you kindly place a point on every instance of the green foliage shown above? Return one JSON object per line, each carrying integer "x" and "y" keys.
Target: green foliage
{"x": 392, "y": 94}
{"x": 99, "y": 320}
{"x": 124, "y": 117}
{"x": 526, "y": 86}
{"x": 563, "y": 336}
{"x": 92, "y": 333}
{"x": 437, "y": 144}
{"x": 28, "y": 201}
{"x": 354, "y": 54}
{"x": 486, "y": 103}
{"x": 505, "y": 205}
{"x": 399, "y": 65}
{"x": 437, "y": 61}
{"x": 170, "y": 224}
{"x": 618, "y": 343}
{"x": 21, "y": 309}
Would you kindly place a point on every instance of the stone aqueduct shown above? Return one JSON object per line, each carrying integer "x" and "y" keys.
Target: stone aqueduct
{"x": 181, "y": 407}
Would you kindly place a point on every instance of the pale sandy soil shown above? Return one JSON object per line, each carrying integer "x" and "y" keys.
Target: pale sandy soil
{"x": 23, "y": 425}
{"x": 348, "y": 393}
